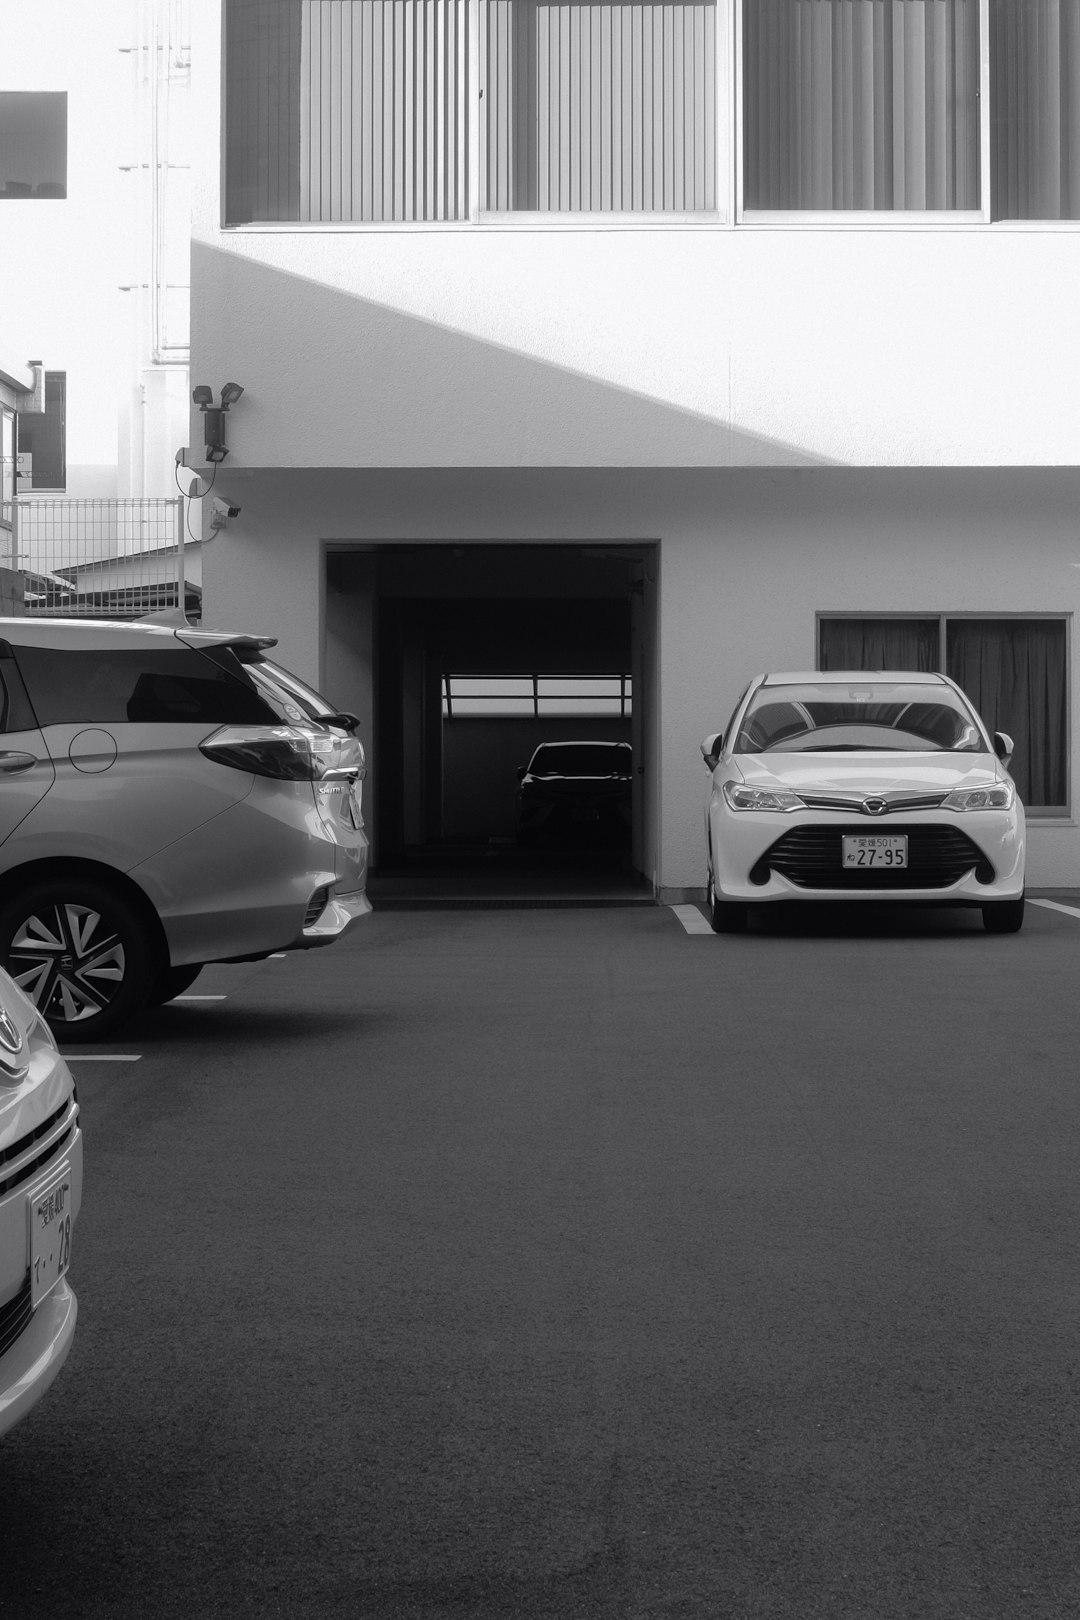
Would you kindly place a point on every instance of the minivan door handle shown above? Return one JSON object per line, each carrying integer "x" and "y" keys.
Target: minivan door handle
{"x": 11, "y": 762}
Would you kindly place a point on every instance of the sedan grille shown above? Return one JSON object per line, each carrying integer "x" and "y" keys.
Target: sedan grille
{"x": 14, "y": 1316}
{"x": 811, "y": 858}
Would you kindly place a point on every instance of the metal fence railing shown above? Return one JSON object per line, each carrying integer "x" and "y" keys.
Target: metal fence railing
{"x": 115, "y": 559}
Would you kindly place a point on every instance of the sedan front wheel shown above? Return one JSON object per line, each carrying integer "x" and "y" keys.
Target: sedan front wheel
{"x": 81, "y": 953}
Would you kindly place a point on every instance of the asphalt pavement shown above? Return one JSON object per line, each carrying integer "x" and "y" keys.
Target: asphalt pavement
{"x": 560, "y": 1264}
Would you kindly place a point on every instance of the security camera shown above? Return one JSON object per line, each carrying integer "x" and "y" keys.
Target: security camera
{"x": 223, "y": 509}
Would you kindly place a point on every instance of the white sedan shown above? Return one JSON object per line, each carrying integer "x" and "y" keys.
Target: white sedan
{"x": 855, "y": 786}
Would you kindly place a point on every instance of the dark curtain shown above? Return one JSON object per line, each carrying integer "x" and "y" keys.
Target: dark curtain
{"x": 878, "y": 644}
{"x": 1014, "y": 672}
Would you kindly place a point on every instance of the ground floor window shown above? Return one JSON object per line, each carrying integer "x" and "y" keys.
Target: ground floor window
{"x": 1014, "y": 670}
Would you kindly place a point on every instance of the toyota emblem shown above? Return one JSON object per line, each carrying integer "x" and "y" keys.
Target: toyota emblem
{"x": 875, "y": 807}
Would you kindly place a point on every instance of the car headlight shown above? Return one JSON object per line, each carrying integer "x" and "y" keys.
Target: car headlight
{"x": 741, "y": 797}
{"x": 997, "y": 797}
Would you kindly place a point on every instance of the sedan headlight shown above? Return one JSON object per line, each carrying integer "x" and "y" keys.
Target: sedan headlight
{"x": 741, "y": 797}
{"x": 997, "y": 797}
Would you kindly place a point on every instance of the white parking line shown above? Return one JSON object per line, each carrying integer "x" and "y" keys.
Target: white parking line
{"x": 198, "y": 998}
{"x": 277, "y": 956}
{"x": 692, "y": 920}
{"x": 101, "y": 1057}
{"x": 1055, "y": 905}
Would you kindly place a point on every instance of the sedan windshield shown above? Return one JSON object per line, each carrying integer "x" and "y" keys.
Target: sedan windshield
{"x": 876, "y": 717}
{"x": 581, "y": 759}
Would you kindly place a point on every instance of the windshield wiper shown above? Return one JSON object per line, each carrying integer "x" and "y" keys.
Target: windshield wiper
{"x": 852, "y": 748}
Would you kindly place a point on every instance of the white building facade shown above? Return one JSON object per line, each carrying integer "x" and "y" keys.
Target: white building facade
{"x": 669, "y": 341}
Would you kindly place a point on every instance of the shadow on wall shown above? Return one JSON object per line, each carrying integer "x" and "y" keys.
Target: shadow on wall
{"x": 336, "y": 380}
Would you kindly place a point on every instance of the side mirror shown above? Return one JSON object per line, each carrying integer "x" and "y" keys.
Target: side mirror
{"x": 1003, "y": 746}
{"x": 711, "y": 749}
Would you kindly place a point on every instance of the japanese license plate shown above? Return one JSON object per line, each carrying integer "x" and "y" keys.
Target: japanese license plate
{"x": 49, "y": 1211}
{"x": 874, "y": 850}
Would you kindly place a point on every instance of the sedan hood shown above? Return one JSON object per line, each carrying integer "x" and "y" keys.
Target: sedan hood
{"x": 859, "y": 775}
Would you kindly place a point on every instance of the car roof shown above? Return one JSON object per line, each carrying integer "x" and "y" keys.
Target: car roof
{"x": 856, "y": 677}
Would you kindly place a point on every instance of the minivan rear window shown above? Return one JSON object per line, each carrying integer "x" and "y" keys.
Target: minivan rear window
{"x": 152, "y": 686}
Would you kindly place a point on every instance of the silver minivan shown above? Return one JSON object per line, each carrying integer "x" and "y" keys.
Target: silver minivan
{"x": 169, "y": 796}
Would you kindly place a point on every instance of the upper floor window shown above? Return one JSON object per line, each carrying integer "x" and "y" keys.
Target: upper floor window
{"x": 358, "y": 110}
{"x": 372, "y": 111}
{"x": 861, "y": 104}
{"x": 43, "y": 439}
{"x": 1035, "y": 109}
{"x": 33, "y": 143}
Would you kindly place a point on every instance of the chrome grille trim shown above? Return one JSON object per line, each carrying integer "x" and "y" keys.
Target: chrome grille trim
{"x": 61, "y": 1123}
{"x": 892, "y": 801}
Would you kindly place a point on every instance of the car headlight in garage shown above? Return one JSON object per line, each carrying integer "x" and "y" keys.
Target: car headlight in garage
{"x": 998, "y": 797}
{"x": 741, "y": 797}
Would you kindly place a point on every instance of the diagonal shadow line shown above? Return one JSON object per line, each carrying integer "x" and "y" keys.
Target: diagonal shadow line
{"x": 410, "y": 391}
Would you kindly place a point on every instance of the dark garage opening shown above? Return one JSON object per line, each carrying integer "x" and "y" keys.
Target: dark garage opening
{"x": 481, "y": 653}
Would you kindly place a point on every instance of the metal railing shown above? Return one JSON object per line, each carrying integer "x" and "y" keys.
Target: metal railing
{"x": 115, "y": 559}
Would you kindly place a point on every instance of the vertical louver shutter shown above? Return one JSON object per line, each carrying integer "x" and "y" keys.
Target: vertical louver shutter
{"x": 1035, "y": 108}
{"x": 600, "y": 108}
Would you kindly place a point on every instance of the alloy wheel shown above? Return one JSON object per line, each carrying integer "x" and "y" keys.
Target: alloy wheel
{"x": 70, "y": 960}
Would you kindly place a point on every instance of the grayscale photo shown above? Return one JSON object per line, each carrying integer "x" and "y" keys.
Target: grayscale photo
{"x": 539, "y": 876}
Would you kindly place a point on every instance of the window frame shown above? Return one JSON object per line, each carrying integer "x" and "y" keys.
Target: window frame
{"x": 1044, "y": 815}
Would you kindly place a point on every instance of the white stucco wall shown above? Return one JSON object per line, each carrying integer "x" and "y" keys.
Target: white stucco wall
{"x": 747, "y": 558}
{"x": 578, "y": 344}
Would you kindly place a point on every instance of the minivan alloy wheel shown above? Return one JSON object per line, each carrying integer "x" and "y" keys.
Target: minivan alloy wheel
{"x": 80, "y": 952}
{"x": 68, "y": 957}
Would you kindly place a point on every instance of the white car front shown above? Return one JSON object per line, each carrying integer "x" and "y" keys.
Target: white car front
{"x": 855, "y": 786}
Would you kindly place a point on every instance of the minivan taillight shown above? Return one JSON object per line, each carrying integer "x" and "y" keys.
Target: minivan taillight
{"x": 290, "y": 753}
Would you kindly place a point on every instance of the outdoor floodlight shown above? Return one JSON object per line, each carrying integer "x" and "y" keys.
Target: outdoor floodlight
{"x": 214, "y": 417}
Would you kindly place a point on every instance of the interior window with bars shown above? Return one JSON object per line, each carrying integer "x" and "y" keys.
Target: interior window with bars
{"x": 600, "y": 107}
{"x": 536, "y": 696}
{"x": 1015, "y": 671}
{"x": 861, "y": 104}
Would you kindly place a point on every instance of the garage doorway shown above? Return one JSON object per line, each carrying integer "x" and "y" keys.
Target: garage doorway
{"x": 479, "y": 654}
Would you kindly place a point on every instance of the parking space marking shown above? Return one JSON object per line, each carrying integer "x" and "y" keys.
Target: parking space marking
{"x": 277, "y": 956}
{"x": 199, "y": 998}
{"x": 1055, "y": 905}
{"x": 101, "y": 1057}
{"x": 692, "y": 920}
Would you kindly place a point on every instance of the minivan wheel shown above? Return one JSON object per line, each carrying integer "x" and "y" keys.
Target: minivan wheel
{"x": 172, "y": 982}
{"x": 81, "y": 952}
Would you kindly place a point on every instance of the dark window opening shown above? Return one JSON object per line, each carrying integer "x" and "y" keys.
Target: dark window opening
{"x": 43, "y": 439}
{"x": 33, "y": 144}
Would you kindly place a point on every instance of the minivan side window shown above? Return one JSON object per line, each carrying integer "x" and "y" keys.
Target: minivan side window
{"x": 15, "y": 711}
{"x": 143, "y": 686}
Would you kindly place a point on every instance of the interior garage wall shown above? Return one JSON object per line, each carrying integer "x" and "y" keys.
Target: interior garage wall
{"x": 481, "y": 758}
{"x": 747, "y": 559}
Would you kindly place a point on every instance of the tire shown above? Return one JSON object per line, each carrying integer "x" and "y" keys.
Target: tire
{"x": 725, "y": 916}
{"x": 172, "y": 982}
{"x": 1003, "y": 916}
{"x": 81, "y": 952}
